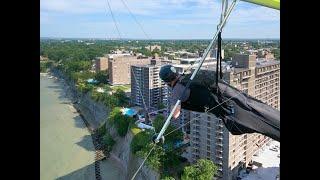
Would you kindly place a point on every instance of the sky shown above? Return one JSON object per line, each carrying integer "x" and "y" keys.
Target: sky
{"x": 159, "y": 19}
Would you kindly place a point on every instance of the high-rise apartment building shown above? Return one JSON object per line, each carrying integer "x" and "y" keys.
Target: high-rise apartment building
{"x": 147, "y": 89}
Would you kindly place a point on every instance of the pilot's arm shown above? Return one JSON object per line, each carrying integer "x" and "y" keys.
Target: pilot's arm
{"x": 176, "y": 112}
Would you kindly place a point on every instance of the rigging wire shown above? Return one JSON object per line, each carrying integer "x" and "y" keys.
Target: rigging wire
{"x": 114, "y": 20}
{"x": 136, "y": 20}
{"x": 135, "y": 174}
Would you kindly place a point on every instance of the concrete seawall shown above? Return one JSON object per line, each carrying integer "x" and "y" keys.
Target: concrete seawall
{"x": 96, "y": 114}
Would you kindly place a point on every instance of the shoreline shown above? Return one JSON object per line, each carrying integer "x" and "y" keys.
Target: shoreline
{"x": 63, "y": 136}
{"x": 73, "y": 101}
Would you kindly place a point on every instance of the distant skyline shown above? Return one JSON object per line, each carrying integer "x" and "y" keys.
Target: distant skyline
{"x": 160, "y": 19}
{"x": 132, "y": 39}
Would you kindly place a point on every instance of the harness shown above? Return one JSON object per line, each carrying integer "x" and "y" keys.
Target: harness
{"x": 201, "y": 97}
{"x": 204, "y": 96}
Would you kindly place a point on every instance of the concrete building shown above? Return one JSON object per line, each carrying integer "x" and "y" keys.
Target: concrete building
{"x": 147, "y": 87}
{"x": 153, "y": 47}
{"x": 184, "y": 118}
{"x": 119, "y": 67}
{"x": 210, "y": 139}
{"x": 267, "y": 82}
{"x": 266, "y": 54}
{"x": 213, "y": 53}
{"x": 101, "y": 64}
{"x": 269, "y": 56}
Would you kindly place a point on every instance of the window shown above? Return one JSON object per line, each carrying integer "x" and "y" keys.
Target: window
{"x": 208, "y": 154}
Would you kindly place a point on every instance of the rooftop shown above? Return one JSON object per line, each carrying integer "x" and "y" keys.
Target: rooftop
{"x": 237, "y": 70}
{"x": 263, "y": 62}
{"x": 270, "y": 160}
{"x": 147, "y": 65}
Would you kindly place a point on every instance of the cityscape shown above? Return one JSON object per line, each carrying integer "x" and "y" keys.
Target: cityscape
{"x": 102, "y": 103}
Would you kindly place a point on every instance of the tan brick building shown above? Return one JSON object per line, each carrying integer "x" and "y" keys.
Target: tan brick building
{"x": 119, "y": 68}
{"x": 101, "y": 64}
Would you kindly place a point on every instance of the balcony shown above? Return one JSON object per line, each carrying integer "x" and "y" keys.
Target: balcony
{"x": 196, "y": 128}
{"x": 219, "y": 162}
{"x": 219, "y": 125}
{"x": 196, "y": 133}
{"x": 219, "y": 132}
{"x": 219, "y": 144}
{"x": 219, "y": 129}
{"x": 195, "y": 145}
{"x": 220, "y": 150}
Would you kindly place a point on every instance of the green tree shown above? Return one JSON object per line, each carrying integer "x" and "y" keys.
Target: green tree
{"x": 102, "y": 77}
{"x": 154, "y": 159}
{"x": 161, "y": 106}
{"x": 102, "y": 130}
{"x": 107, "y": 87}
{"x": 109, "y": 101}
{"x": 114, "y": 114}
{"x": 158, "y": 123}
{"x": 175, "y": 135}
{"x": 145, "y": 52}
{"x": 140, "y": 140}
{"x": 84, "y": 87}
{"x": 81, "y": 76}
{"x": 276, "y": 53}
{"x": 44, "y": 66}
{"x": 120, "y": 121}
{"x": 122, "y": 125}
{"x": 108, "y": 142}
{"x": 121, "y": 97}
{"x": 168, "y": 178}
{"x": 203, "y": 170}
{"x": 77, "y": 66}
{"x": 172, "y": 158}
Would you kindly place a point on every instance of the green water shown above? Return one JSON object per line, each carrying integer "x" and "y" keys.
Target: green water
{"x": 66, "y": 148}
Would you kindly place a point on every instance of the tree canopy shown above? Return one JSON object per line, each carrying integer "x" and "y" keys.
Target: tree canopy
{"x": 203, "y": 170}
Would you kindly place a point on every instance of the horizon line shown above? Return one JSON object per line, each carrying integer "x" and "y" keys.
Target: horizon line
{"x": 92, "y": 38}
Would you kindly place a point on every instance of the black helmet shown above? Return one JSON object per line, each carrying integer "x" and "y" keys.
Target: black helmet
{"x": 168, "y": 73}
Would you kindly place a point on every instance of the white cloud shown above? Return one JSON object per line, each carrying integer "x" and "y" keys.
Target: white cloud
{"x": 70, "y": 6}
{"x": 164, "y": 14}
{"x": 196, "y": 8}
{"x": 98, "y": 6}
{"x": 143, "y": 7}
